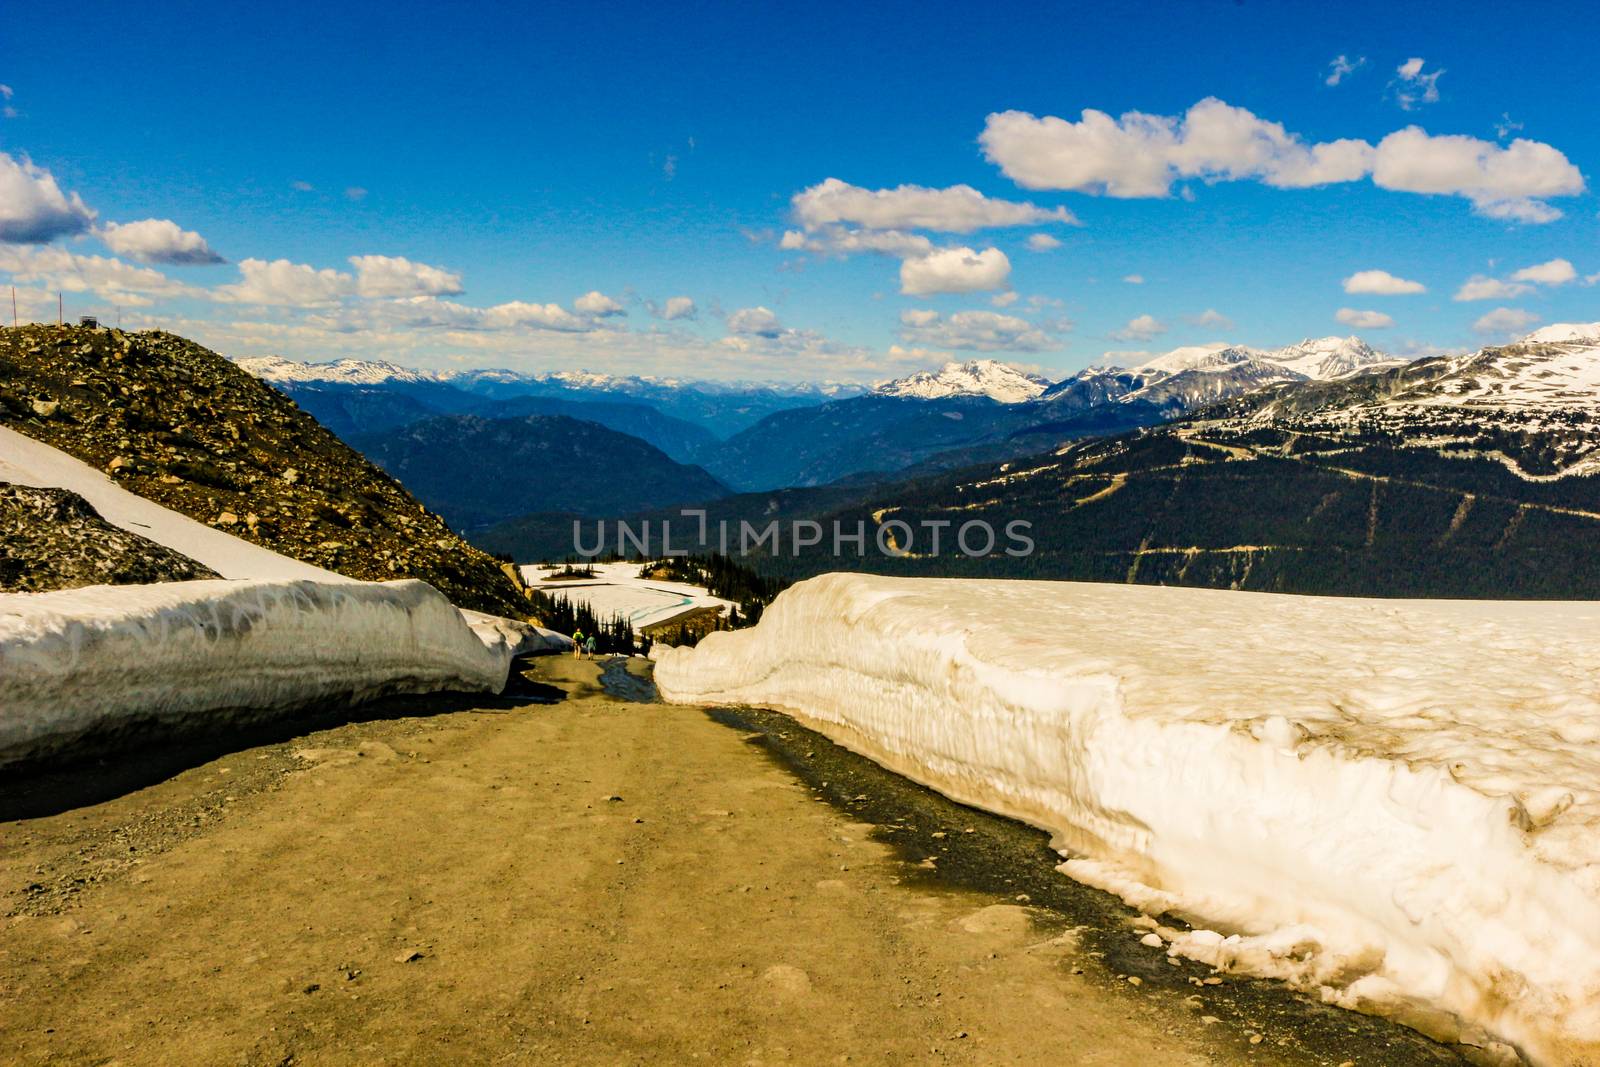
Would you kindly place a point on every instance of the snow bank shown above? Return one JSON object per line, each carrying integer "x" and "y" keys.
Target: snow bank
{"x": 1396, "y": 802}
{"x": 107, "y": 660}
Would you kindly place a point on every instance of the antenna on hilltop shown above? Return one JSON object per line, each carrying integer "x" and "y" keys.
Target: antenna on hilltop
{"x": 61, "y": 318}
{"x": 13, "y": 307}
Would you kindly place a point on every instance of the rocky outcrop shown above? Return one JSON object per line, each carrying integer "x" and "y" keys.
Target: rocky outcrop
{"x": 184, "y": 427}
{"x": 54, "y": 539}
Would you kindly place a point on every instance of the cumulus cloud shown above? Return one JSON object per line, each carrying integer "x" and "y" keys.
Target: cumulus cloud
{"x": 1414, "y": 86}
{"x": 1342, "y": 67}
{"x": 158, "y": 241}
{"x": 1004, "y": 300}
{"x": 1142, "y": 155}
{"x": 1503, "y": 322}
{"x": 840, "y": 241}
{"x": 1480, "y": 287}
{"x": 755, "y": 322}
{"x": 1142, "y": 328}
{"x": 1381, "y": 283}
{"x": 598, "y": 304}
{"x": 1133, "y": 279}
{"x": 1364, "y": 320}
{"x": 1503, "y": 183}
{"x": 675, "y": 308}
{"x": 957, "y": 209}
{"x": 380, "y": 277}
{"x": 537, "y": 316}
{"x": 983, "y": 331}
{"x": 285, "y": 284}
{"x": 1554, "y": 272}
{"x": 1214, "y": 318}
{"x": 105, "y": 276}
{"x": 1042, "y": 242}
{"x": 954, "y": 270}
{"x": 33, "y": 208}
{"x": 355, "y": 193}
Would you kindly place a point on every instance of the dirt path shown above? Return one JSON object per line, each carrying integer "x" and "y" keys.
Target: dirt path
{"x": 584, "y": 882}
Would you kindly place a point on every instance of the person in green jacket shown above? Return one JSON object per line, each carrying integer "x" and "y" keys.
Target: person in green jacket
{"x": 577, "y": 644}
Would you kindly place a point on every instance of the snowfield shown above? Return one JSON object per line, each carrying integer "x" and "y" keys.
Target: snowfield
{"x": 617, "y": 589}
{"x": 109, "y": 660}
{"x": 1396, "y": 803}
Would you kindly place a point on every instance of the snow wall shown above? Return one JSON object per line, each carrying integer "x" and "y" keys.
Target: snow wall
{"x": 90, "y": 665}
{"x": 1395, "y": 803}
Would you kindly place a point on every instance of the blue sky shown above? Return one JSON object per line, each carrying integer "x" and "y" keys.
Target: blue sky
{"x": 541, "y": 184}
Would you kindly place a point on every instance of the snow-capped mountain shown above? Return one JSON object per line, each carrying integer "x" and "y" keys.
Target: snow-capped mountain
{"x": 1189, "y": 377}
{"x": 1534, "y": 405}
{"x": 339, "y": 371}
{"x": 977, "y": 377}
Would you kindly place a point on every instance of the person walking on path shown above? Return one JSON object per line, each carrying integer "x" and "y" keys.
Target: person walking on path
{"x": 589, "y": 647}
{"x": 577, "y": 644}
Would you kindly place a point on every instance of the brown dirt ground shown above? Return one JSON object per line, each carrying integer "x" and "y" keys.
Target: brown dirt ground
{"x": 582, "y": 882}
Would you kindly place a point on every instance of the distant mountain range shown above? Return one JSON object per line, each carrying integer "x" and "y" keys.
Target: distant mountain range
{"x": 1474, "y": 475}
{"x": 984, "y": 409}
{"x": 475, "y": 471}
{"x": 1458, "y": 476}
{"x": 722, "y": 408}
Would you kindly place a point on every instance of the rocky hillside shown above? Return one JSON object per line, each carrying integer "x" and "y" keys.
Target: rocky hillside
{"x": 54, "y": 539}
{"x": 184, "y": 427}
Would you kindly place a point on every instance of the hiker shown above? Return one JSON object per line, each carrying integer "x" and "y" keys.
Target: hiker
{"x": 577, "y": 644}
{"x": 589, "y": 648}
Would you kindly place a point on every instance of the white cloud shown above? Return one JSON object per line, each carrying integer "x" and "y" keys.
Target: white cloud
{"x": 1381, "y": 283}
{"x": 1479, "y": 287}
{"x": 1004, "y": 300}
{"x": 1133, "y": 279}
{"x": 158, "y": 241}
{"x": 1414, "y": 86}
{"x": 105, "y": 276}
{"x": 1554, "y": 272}
{"x": 839, "y": 241}
{"x": 1142, "y": 328}
{"x": 1504, "y": 322}
{"x": 954, "y": 270}
{"x": 957, "y": 209}
{"x": 355, "y": 193}
{"x": 755, "y": 322}
{"x": 1042, "y": 242}
{"x": 33, "y": 209}
{"x": 1503, "y": 183}
{"x": 675, "y": 308}
{"x": 301, "y": 186}
{"x": 536, "y": 316}
{"x": 1214, "y": 318}
{"x": 983, "y": 331}
{"x": 1364, "y": 320}
{"x": 1342, "y": 67}
{"x": 1141, "y": 155}
{"x": 379, "y": 277}
{"x": 286, "y": 284}
{"x": 597, "y": 304}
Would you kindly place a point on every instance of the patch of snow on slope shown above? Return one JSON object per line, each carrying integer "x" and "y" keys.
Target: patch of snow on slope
{"x": 106, "y": 660}
{"x": 617, "y": 589}
{"x": 1395, "y": 802}
{"x": 977, "y": 377}
{"x": 28, "y": 462}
